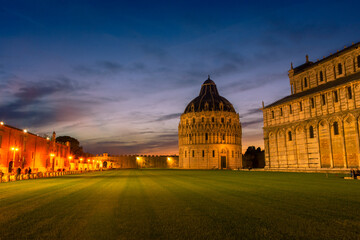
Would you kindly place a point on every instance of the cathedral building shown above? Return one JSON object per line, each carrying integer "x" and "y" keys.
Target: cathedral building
{"x": 317, "y": 126}
{"x": 210, "y": 132}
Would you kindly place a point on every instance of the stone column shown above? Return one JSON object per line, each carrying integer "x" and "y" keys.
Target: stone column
{"x": 330, "y": 145}
{"x": 344, "y": 144}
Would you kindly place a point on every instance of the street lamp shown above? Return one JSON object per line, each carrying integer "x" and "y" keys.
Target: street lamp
{"x": 52, "y": 155}
{"x": 14, "y": 149}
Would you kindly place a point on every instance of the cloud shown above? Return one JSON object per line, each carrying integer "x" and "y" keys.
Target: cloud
{"x": 251, "y": 111}
{"x": 99, "y": 68}
{"x": 168, "y": 117}
{"x": 251, "y": 122}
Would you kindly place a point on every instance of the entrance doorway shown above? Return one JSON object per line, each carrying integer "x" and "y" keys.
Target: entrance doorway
{"x": 10, "y": 166}
{"x": 223, "y": 162}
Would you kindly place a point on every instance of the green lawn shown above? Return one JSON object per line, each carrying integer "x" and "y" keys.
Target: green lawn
{"x": 180, "y": 204}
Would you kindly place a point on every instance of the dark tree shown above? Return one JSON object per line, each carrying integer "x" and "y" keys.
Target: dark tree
{"x": 75, "y": 148}
{"x": 254, "y": 158}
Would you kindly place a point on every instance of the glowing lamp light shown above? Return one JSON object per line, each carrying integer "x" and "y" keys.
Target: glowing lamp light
{"x": 88, "y": 160}
{"x": 52, "y": 155}
{"x": 2, "y": 123}
{"x": 137, "y": 158}
{"x": 14, "y": 149}
{"x": 25, "y": 130}
{"x": 48, "y": 138}
{"x": 168, "y": 159}
{"x": 70, "y": 157}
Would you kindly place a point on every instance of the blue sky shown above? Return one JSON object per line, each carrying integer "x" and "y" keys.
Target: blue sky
{"x": 117, "y": 74}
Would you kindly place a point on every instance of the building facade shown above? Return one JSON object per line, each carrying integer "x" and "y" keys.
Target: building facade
{"x": 136, "y": 161}
{"x": 24, "y": 150}
{"x": 317, "y": 126}
{"x": 210, "y": 132}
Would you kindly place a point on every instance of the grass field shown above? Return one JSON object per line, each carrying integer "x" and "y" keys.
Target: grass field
{"x": 175, "y": 204}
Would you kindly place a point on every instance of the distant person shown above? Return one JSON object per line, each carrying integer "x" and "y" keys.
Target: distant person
{"x": 29, "y": 170}
{"x": 18, "y": 171}
{"x": 357, "y": 173}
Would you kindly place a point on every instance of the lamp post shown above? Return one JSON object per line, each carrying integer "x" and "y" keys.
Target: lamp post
{"x": 52, "y": 155}
{"x": 14, "y": 149}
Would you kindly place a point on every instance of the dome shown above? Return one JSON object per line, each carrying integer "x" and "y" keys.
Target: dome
{"x": 209, "y": 100}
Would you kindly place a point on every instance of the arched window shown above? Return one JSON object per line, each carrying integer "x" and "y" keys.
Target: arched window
{"x": 336, "y": 99}
{"x": 212, "y": 119}
{"x": 340, "y": 70}
{"x": 323, "y": 99}
{"x": 213, "y": 153}
{"x": 290, "y": 109}
{"x": 193, "y": 120}
{"x": 272, "y": 115}
{"x": 203, "y": 153}
{"x": 202, "y": 119}
{"x": 222, "y": 120}
{"x": 312, "y": 103}
{"x": 305, "y": 82}
{"x": 290, "y": 136}
{"x": 185, "y": 153}
{"x": 349, "y": 92}
{"x": 311, "y": 132}
{"x": 193, "y": 153}
{"x": 281, "y": 113}
{"x": 232, "y": 153}
{"x": 300, "y": 106}
{"x": 336, "y": 128}
{"x": 321, "y": 76}
{"x": 206, "y": 136}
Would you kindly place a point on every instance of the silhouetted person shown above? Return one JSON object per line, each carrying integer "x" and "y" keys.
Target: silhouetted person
{"x": 18, "y": 171}
{"x": 29, "y": 170}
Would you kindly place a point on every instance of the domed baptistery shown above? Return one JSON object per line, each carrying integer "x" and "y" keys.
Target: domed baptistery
{"x": 210, "y": 132}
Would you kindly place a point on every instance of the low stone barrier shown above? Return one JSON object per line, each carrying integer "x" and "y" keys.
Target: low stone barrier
{"x": 19, "y": 177}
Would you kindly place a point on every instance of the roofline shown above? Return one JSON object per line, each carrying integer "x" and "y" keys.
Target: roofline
{"x": 322, "y": 87}
{"x": 355, "y": 45}
{"x": 30, "y": 133}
